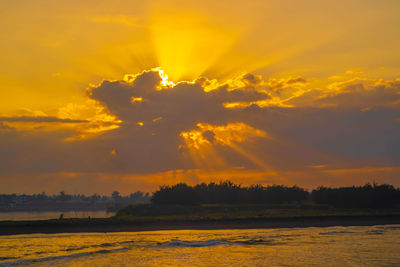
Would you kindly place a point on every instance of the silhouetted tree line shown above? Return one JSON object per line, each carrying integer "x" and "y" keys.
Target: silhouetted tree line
{"x": 43, "y": 201}
{"x": 367, "y": 196}
{"x": 227, "y": 193}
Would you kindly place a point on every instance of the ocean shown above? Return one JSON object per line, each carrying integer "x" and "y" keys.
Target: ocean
{"x": 314, "y": 246}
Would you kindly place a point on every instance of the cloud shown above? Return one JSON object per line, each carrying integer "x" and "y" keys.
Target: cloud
{"x": 279, "y": 84}
{"x": 280, "y": 131}
{"x": 184, "y": 104}
{"x": 311, "y": 127}
{"x": 353, "y": 94}
{"x": 363, "y": 94}
{"x": 89, "y": 110}
{"x": 39, "y": 119}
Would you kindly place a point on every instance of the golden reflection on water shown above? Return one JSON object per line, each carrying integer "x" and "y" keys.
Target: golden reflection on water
{"x": 333, "y": 246}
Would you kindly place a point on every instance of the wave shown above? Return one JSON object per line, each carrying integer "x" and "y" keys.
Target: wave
{"x": 368, "y": 232}
{"x": 215, "y": 242}
{"x": 389, "y": 227}
{"x": 7, "y": 258}
{"x": 255, "y": 242}
{"x": 337, "y": 233}
{"x": 376, "y": 232}
{"x": 103, "y": 245}
{"x": 182, "y": 243}
{"x": 75, "y": 255}
{"x": 116, "y": 245}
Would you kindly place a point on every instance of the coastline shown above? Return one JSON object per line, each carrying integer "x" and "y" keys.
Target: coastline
{"x": 125, "y": 225}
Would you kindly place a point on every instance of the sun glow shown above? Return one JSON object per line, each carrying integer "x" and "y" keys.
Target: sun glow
{"x": 136, "y": 99}
{"x": 187, "y": 44}
{"x": 165, "y": 82}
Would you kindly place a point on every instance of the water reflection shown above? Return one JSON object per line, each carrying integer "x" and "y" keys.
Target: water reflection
{"x": 331, "y": 246}
{"x": 5, "y": 216}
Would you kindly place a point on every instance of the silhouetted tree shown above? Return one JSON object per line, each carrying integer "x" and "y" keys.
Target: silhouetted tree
{"x": 176, "y": 194}
{"x": 367, "y": 196}
{"x": 227, "y": 193}
{"x": 116, "y": 196}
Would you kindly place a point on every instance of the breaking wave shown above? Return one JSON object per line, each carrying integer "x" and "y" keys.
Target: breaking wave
{"x": 336, "y": 233}
{"x": 215, "y": 242}
{"x": 115, "y": 247}
{"x": 75, "y": 255}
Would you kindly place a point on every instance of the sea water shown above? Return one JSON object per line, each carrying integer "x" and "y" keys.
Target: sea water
{"x": 330, "y": 246}
{"x": 46, "y": 215}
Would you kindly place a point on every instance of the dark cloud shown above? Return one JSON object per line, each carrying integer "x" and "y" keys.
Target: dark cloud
{"x": 353, "y": 133}
{"x": 209, "y": 136}
{"x": 39, "y": 119}
{"x": 349, "y": 134}
{"x": 279, "y": 84}
{"x": 364, "y": 94}
{"x": 354, "y": 94}
{"x": 252, "y": 79}
{"x": 244, "y": 94}
{"x": 184, "y": 104}
{"x": 305, "y": 135}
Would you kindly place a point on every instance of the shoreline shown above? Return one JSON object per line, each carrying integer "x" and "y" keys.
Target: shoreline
{"x": 125, "y": 225}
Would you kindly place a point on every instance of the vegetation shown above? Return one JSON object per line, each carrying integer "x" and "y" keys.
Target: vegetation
{"x": 367, "y": 196}
{"x": 219, "y": 200}
{"x": 227, "y": 193}
{"x": 63, "y": 201}
{"x": 226, "y": 200}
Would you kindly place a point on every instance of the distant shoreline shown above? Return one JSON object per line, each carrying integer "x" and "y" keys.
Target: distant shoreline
{"x": 124, "y": 225}
{"x": 53, "y": 210}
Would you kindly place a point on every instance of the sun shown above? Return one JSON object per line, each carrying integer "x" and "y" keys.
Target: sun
{"x": 186, "y": 44}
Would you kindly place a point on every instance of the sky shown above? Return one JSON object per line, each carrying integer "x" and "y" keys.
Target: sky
{"x": 98, "y": 96}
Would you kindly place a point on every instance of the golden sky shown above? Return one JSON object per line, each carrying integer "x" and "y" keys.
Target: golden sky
{"x": 128, "y": 95}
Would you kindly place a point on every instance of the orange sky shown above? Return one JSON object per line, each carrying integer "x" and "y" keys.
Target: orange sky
{"x": 130, "y": 95}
